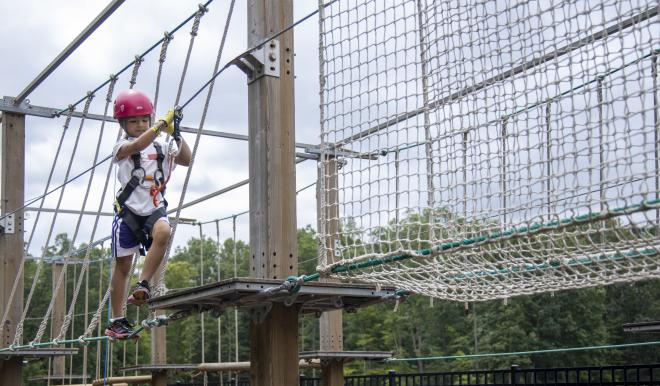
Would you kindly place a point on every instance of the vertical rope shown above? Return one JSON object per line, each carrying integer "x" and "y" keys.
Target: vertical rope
{"x": 136, "y": 68}
{"x": 159, "y": 288}
{"x": 163, "y": 54}
{"x": 35, "y": 279}
{"x": 193, "y": 33}
{"x": 44, "y": 322}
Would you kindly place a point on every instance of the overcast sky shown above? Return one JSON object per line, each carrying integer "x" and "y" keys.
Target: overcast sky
{"x": 34, "y": 32}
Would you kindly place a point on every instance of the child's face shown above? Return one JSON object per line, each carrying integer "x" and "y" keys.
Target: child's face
{"x": 135, "y": 126}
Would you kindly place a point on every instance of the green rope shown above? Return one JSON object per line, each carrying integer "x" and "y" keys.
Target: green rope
{"x": 546, "y": 351}
{"x": 514, "y": 232}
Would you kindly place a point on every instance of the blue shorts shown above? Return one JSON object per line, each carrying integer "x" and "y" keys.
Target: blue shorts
{"x": 124, "y": 242}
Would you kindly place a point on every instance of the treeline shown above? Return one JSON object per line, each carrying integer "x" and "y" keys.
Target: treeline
{"x": 418, "y": 328}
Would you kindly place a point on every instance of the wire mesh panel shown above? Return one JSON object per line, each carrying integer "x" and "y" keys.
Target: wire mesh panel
{"x": 488, "y": 149}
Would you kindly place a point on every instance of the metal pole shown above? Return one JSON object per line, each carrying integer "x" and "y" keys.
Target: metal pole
{"x": 69, "y": 49}
{"x": 235, "y": 253}
{"x": 217, "y": 243}
{"x": 423, "y": 48}
{"x": 656, "y": 122}
{"x": 201, "y": 283}
{"x": 503, "y": 177}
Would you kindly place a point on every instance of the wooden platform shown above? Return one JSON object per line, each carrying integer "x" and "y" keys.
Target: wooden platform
{"x": 346, "y": 356}
{"x": 38, "y": 353}
{"x": 312, "y": 297}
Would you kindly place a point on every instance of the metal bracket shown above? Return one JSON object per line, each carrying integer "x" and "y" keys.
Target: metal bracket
{"x": 337, "y": 248}
{"x": 7, "y": 224}
{"x": 264, "y": 61}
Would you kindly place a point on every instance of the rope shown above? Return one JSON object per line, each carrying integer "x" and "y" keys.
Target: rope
{"x": 535, "y": 228}
{"x": 172, "y": 32}
{"x": 136, "y": 68}
{"x": 163, "y": 53}
{"x": 85, "y": 266}
{"x": 532, "y": 352}
{"x": 193, "y": 33}
{"x": 160, "y": 286}
{"x": 255, "y": 47}
{"x": 44, "y": 322}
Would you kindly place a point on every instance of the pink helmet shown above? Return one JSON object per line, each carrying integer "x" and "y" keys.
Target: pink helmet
{"x": 132, "y": 103}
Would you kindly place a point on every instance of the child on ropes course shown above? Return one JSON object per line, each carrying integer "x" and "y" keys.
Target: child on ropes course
{"x": 144, "y": 164}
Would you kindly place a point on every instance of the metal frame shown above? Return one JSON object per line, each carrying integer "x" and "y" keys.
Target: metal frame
{"x": 160, "y": 367}
{"x": 109, "y": 9}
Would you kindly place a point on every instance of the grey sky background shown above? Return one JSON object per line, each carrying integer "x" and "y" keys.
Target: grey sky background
{"x": 34, "y": 32}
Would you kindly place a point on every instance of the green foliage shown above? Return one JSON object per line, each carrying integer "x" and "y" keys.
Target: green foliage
{"x": 417, "y": 328}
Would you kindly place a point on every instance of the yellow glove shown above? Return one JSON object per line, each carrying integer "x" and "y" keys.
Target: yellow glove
{"x": 168, "y": 118}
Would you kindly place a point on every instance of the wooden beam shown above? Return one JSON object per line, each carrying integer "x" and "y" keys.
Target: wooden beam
{"x": 273, "y": 252}
{"x": 159, "y": 346}
{"x": 330, "y": 322}
{"x": 12, "y": 185}
{"x": 245, "y": 366}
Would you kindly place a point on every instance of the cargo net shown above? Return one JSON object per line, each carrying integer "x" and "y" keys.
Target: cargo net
{"x": 475, "y": 150}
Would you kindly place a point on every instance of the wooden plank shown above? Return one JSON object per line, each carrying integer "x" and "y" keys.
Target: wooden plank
{"x": 12, "y": 183}
{"x": 273, "y": 252}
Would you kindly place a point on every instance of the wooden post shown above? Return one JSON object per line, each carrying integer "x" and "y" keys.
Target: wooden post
{"x": 59, "y": 309}
{"x": 273, "y": 252}
{"x": 330, "y": 323}
{"x": 159, "y": 347}
{"x": 12, "y": 185}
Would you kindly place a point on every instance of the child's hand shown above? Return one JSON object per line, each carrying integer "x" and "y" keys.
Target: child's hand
{"x": 168, "y": 118}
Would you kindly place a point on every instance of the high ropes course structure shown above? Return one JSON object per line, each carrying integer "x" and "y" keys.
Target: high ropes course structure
{"x": 469, "y": 151}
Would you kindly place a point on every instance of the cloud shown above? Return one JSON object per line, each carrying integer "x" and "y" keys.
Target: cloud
{"x": 44, "y": 29}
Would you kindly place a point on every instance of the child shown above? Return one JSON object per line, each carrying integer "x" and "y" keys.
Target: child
{"x": 143, "y": 168}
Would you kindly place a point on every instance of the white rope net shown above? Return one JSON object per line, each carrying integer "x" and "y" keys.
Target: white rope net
{"x": 490, "y": 148}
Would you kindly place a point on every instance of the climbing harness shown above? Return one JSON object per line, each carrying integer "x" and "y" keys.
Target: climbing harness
{"x": 141, "y": 226}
